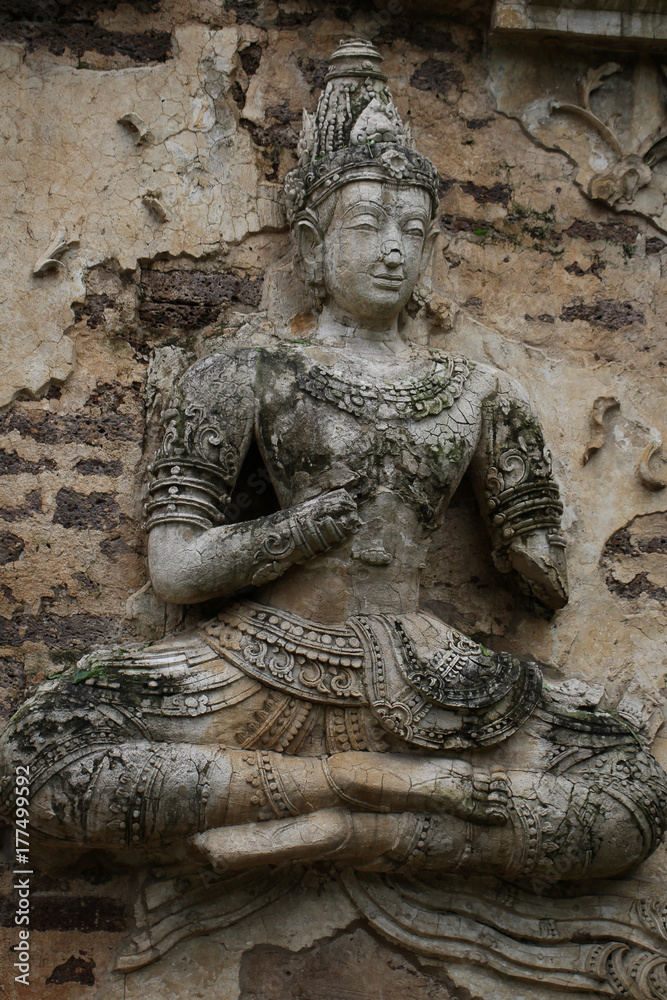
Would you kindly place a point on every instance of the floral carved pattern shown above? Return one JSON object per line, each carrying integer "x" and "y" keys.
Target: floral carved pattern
{"x": 633, "y": 168}
{"x": 630, "y": 182}
{"x": 610, "y": 119}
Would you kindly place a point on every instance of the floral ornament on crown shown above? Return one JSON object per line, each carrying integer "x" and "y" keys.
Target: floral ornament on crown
{"x": 295, "y": 194}
{"x": 396, "y": 163}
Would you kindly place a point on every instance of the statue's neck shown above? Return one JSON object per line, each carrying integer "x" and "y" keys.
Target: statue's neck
{"x": 340, "y": 330}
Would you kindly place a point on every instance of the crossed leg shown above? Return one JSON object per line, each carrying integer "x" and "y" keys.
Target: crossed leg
{"x": 530, "y": 827}
{"x": 93, "y": 784}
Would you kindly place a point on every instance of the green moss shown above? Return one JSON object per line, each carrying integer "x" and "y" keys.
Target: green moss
{"x": 93, "y": 666}
{"x": 79, "y": 676}
{"x": 537, "y": 229}
{"x": 456, "y": 451}
{"x": 526, "y": 212}
{"x": 624, "y": 722}
{"x": 21, "y": 714}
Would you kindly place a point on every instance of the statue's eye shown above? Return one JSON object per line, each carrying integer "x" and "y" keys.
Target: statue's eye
{"x": 364, "y": 222}
{"x": 413, "y": 227}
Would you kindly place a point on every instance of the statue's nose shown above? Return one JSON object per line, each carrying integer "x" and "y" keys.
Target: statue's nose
{"x": 392, "y": 254}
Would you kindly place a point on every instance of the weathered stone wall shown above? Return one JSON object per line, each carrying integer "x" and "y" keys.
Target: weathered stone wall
{"x": 169, "y": 237}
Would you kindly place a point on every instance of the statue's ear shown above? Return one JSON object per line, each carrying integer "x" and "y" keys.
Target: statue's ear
{"x": 310, "y": 246}
{"x": 429, "y": 244}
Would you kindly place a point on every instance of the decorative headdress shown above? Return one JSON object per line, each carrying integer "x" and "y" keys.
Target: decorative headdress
{"x": 355, "y": 134}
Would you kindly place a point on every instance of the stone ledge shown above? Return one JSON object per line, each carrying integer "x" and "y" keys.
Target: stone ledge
{"x": 596, "y": 22}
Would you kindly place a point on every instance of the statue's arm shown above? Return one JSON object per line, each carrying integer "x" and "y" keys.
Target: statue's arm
{"x": 518, "y": 495}
{"x": 192, "y": 555}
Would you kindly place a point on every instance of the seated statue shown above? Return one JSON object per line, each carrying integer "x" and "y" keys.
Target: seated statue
{"x": 322, "y": 714}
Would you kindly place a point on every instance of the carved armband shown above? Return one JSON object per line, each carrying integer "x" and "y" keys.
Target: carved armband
{"x": 198, "y": 458}
{"x": 187, "y": 491}
{"x": 524, "y": 508}
{"x": 521, "y": 494}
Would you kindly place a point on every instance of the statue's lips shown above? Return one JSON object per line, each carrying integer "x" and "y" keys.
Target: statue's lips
{"x": 388, "y": 280}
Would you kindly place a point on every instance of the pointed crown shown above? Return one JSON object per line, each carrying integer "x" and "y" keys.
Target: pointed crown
{"x": 355, "y": 134}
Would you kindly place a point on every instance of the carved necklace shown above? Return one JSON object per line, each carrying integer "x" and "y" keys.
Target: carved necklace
{"x": 414, "y": 399}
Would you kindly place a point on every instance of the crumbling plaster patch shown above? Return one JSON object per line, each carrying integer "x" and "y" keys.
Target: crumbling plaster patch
{"x": 195, "y": 162}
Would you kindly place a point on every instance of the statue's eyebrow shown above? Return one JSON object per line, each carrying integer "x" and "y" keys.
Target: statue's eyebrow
{"x": 362, "y": 207}
{"x": 415, "y": 213}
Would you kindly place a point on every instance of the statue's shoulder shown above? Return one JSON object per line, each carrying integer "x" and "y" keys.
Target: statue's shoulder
{"x": 485, "y": 379}
{"x": 245, "y": 358}
{"x": 222, "y": 363}
{"x": 222, "y": 374}
{"x": 476, "y": 377}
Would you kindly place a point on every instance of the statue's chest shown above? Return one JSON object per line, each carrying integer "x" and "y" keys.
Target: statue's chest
{"x": 415, "y": 436}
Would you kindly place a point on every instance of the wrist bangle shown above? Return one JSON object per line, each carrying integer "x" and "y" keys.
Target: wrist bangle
{"x": 185, "y": 491}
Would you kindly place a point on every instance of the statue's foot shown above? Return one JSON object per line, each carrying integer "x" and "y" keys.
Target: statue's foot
{"x": 312, "y": 837}
{"x": 397, "y": 783}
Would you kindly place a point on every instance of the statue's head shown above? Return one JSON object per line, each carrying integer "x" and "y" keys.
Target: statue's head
{"x": 362, "y": 200}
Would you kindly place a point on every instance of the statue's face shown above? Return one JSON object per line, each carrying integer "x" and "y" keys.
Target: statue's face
{"x": 373, "y": 249}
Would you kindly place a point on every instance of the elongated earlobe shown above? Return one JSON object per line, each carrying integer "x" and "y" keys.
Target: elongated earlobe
{"x": 429, "y": 245}
{"x": 310, "y": 247}
{"x": 422, "y": 290}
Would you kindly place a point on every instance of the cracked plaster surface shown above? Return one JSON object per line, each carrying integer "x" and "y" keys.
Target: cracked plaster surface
{"x": 73, "y": 167}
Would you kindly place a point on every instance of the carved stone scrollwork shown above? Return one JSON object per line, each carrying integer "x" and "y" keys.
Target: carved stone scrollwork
{"x": 520, "y": 935}
{"x": 190, "y": 905}
{"x": 525, "y": 506}
{"x": 600, "y": 408}
{"x": 198, "y": 461}
{"x": 633, "y": 167}
{"x": 501, "y": 927}
{"x": 646, "y": 476}
{"x": 189, "y": 430}
{"x": 461, "y": 675}
{"x": 406, "y": 689}
{"x": 51, "y": 259}
{"x": 299, "y": 533}
{"x": 318, "y": 662}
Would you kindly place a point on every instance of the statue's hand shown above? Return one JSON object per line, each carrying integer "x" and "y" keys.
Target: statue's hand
{"x": 541, "y": 565}
{"x": 478, "y": 796}
{"x": 301, "y": 532}
{"x": 334, "y": 514}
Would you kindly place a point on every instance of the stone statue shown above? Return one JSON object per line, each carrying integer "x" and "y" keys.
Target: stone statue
{"x": 321, "y": 714}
